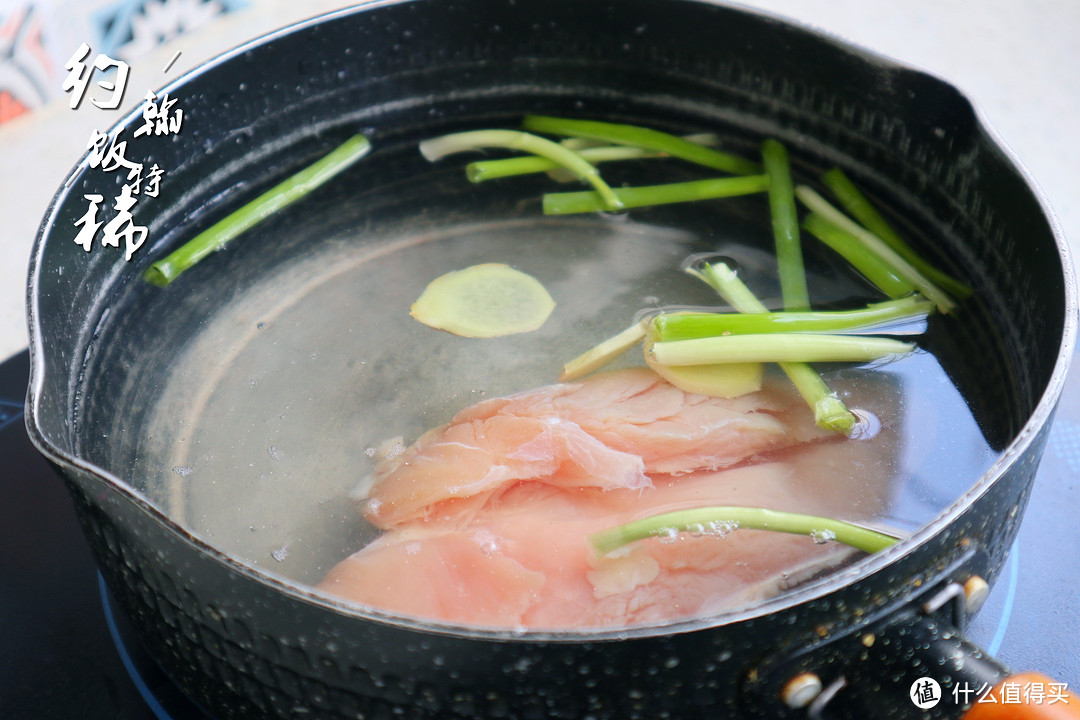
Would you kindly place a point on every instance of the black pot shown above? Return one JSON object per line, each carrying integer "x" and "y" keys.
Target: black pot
{"x": 245, "y": 642}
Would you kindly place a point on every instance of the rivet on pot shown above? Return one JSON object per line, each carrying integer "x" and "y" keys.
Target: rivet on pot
{"x": 976, "y": 590}
{"x": 801, "y": 690}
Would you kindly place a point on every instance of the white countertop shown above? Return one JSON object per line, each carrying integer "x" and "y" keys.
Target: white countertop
{"x": 1014, "y": 59}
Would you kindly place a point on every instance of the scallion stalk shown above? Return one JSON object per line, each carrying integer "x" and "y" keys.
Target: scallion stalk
{"x": 580, "y": 143}
{"x": 687, "y": 326}
{"x": 785, "y": 225}
{"x": 852, "y": 199}
{"x": 595, "y": 151}
{"x": 214, "y": 238}
{"x": 482, "y": 170}
{"x": 778, "y": 348}
{"x": 647, "y": 138}
{"x": 829, "y": 410}
{"x": 600, "y": 355}
{"x": 862, "y": 258}
{"x": 721, "y": 520}
{"x": 900, "y": 266}
{"x": 631, "y": 197}
{"x": 439, "y": 147}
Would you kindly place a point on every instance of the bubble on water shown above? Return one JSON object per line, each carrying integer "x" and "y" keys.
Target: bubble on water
{"x": 412, "y": 548}
{"x": 668, "y": 534}
{"x": 721, "y": 528}
{"x": 370, "y": 452}
{"x": 696, "y": 530}
{"x": 821, "y": 537}
{"x": 280, "y": 554}
{"x": 867, "y": 424}
{"x": 487, "y": 540}
{"x": 183, "y": 470}
{"x": 273, "y": 452}
{"x": 671, "y": 663}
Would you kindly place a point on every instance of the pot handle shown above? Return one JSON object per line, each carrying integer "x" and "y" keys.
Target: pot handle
{"x": 914, "y": 661}
{"x": 921, "y": 669}
{"x": 971, "y": 684}
{"x": 1061, "y": 705}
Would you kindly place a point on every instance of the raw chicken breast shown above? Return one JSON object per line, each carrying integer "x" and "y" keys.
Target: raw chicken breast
{"x": 613, "y": 430}
{"x": 500, "y": 541}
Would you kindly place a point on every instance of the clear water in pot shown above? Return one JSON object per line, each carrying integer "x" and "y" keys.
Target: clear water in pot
{"x": 267, "y": 416}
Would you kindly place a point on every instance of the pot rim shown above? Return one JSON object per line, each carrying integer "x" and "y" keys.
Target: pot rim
{"x": 816, "y": 590}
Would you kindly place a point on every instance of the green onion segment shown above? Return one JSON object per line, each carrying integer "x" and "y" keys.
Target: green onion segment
{"x": 641, "y": 137}
{"x": 214, "y": 238}
{"x": 439, "y": 147}
{"x": 785, "y": 224}
{"x": 631, "y": 197}
{"x": 721, "y": 520}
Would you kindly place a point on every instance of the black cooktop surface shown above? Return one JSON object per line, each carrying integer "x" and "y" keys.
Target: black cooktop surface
{"x": 65, "y": 653}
